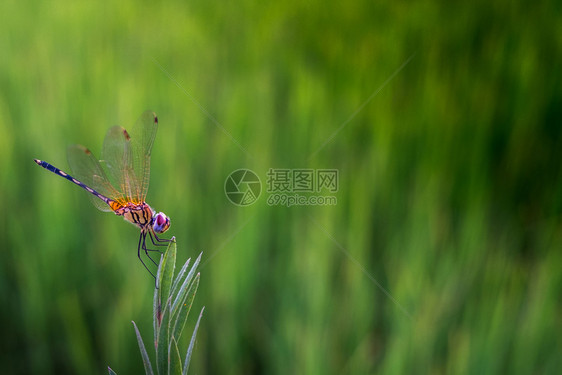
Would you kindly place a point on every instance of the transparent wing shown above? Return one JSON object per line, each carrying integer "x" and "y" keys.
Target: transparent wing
{"x": 87, "y": 169}
{"x": 142, "y": 139}
{"x": 126, "y": 157}
{"x": 116, "y": 158}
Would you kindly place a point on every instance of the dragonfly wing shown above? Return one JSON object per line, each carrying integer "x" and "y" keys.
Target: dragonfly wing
{"x": 87, "y": 169}
{"x": 117, "y": 160}
{"x": 142, "y": 139}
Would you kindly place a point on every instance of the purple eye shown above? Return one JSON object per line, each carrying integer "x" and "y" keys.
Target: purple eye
{"x": 160, "y": 219}
{"x": 161, "y": 223}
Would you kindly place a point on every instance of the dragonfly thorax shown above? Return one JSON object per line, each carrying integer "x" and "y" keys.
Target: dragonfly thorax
{"x": 143, "y": 216}
{"x": 140, "y": 215}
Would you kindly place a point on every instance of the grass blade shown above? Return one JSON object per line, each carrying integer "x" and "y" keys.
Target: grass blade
{"x": 174, "y": 357}
{"x": 163, "y": 282}
{"x": 184, "y": 308}
{"x": 156, "y": 307}
{"x": 186, "y": 282}
{"x": 191, "y": 344}
{"x": 168, "y": 271}
{"x": 179, "y": 277}
{"x": 172, "y": 301}
{"x": 144, "y": 354}
{"x": 163, "y": 342}
{"x": 111, "y": 372}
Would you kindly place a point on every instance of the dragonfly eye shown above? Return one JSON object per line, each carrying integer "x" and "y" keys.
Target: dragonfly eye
{"x": 161, "y": 223}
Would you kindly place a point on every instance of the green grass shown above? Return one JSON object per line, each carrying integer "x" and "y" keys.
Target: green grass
{"x": 173, "y": 297}
{"x": 450, "y": 184}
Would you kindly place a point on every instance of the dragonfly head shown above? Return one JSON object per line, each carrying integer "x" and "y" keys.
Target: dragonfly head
{"x": 161, "y": 222}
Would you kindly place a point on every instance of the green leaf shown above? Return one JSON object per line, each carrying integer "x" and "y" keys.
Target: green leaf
{"x": 184, "y": 307}
{"x": 174, "y": 357}
{"x": 192, "y": 344}
{"x": 186, "y": 282}
{"x": 163, "y": 283}
{"x": 111, "y": 372}
{"x": 156, "y": 307}
{"x": 144, "y": 354}
{"x": 167, "y": 271}
{"x": 163, "y": 342}
{"x": 179, "y": 277}
{"x": 172, "y": 301}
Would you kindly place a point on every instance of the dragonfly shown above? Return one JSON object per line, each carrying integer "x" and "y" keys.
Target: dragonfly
{"x": 118, "y": 182}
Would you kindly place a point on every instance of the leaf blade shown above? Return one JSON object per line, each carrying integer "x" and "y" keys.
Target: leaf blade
{"x": 180, "y": 276}
{"x": 185, "y": 307}
{"x": 168, "y": 270}
{"x": 156, "y": 307}
{"x": 174, "y": 357}
{"x": 163, "y": 282}
{"x": 192, "y": 344}
{"x": 163, "y": 342}
{"x": 144, "y": 354}
{"x": 187, "y": 280}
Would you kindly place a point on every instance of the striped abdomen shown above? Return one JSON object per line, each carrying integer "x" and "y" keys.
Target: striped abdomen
{"x": 113, "y": 204}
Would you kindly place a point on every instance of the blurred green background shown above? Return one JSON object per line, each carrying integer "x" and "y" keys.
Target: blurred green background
{"x": 450, "y": 194}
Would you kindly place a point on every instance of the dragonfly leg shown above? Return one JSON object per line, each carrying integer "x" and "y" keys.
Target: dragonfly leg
{"x": 142, "y": 245}
{"x": 162, "y": 239}
{"x": 157, "y": 240}
{"x": 142, "y": 241}
{"x": 146, "y": 250}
